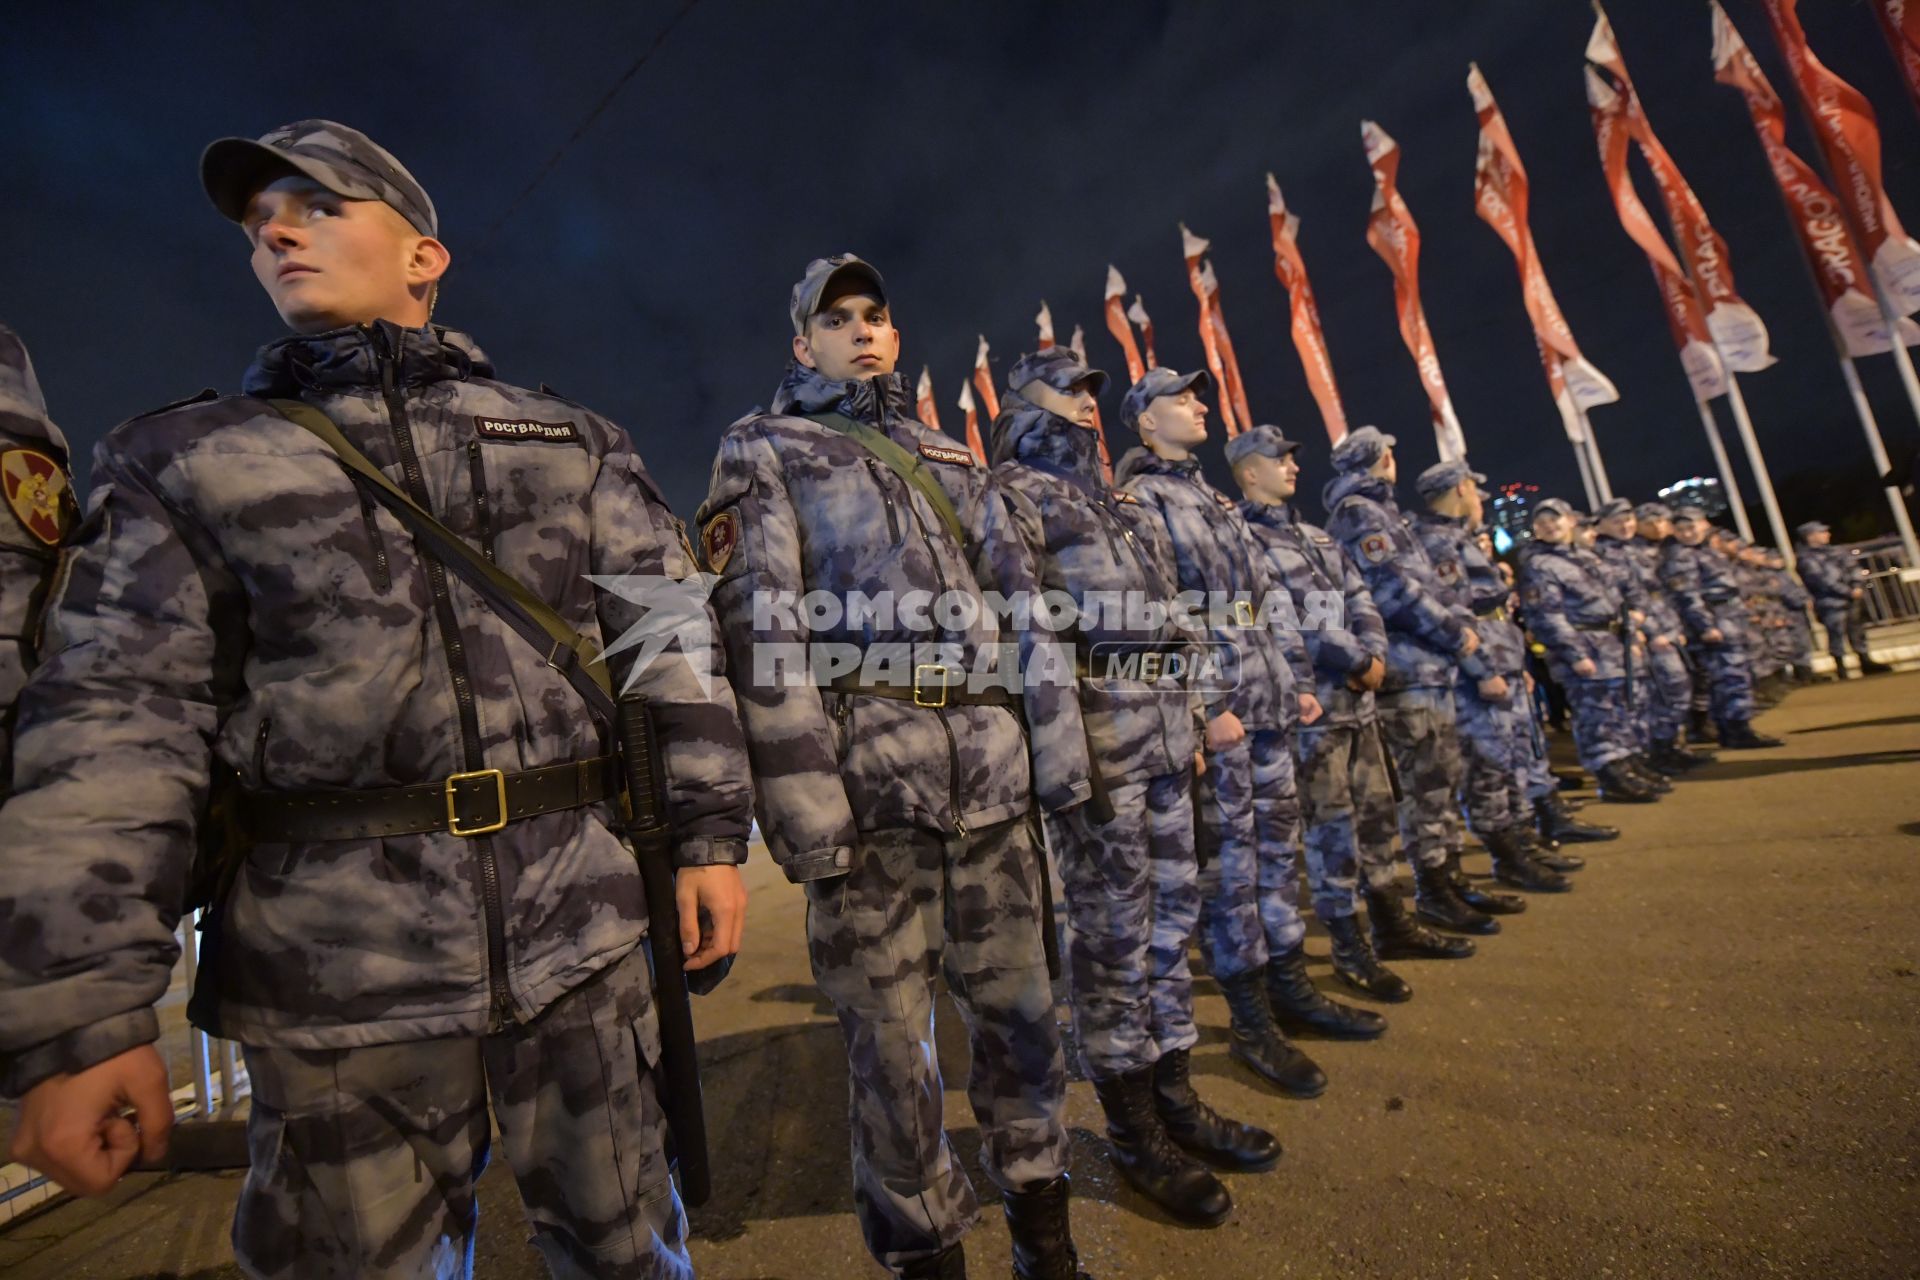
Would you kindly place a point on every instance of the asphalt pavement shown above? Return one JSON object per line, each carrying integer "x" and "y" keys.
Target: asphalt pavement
{"x": 1704, "y": 1062}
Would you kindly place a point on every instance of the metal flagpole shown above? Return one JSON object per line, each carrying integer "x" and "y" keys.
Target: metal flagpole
{"x": 1592, "y": 447}
{"x": 1881, "y": 463}
{"x": 1586, "y": 477}
{"x": 1735, "y": 503}
{"x": 1744, "y": 425}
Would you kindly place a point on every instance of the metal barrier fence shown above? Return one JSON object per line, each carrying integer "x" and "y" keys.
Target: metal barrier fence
{"x": 1893, "y": 586}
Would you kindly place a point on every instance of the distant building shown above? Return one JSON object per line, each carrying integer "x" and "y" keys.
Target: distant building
{"x": 1706, "y": 486}
{"x": 1510, "y": 514}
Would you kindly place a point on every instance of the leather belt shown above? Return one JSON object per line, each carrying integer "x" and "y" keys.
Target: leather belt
{"x": 934, "y": 685}
{"x": 1613, "y": 626}
{"x": 1238, "y": 613}
{"x": 461, "y": 804}
{"x": 1497, "y": 613}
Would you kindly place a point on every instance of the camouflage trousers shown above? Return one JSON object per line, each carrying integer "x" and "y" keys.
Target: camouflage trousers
{"x": 1603, "y": 727}
{"x": 1133, "y": 900}
{"x": 1725, "y": 675}
{"x": 364, "y": 1159}
{"x": 1423, "y": 743}
{"x": 1535, "y": 776}
{"x": 1495, "y": 750}
{"x": 915, "y": 905}
{"x": 1346, "y": 804}
{"x": 1662, "y": 693}
{"x": 1845, "y": 622}
{"x": 1249, "y": 825}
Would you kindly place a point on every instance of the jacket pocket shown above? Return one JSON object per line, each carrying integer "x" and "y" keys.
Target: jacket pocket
{"x": 482, "y": 501}
{"x": 886, "y": 496}
{"x": 377, "y": 546}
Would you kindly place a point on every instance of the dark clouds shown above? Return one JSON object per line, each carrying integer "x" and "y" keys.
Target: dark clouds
{"x": 983, "y": 155}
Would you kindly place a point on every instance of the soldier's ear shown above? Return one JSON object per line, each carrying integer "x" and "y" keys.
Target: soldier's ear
{"x": 803, "y": 351}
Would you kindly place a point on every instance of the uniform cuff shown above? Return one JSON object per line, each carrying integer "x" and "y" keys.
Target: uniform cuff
{"x": 77, "y": 1050}
{"x": 709, "y": 851}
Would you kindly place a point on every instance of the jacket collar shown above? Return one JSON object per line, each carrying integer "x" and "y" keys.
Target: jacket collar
{"x": 352, "y": 358}
{"x": 874, "y": 401}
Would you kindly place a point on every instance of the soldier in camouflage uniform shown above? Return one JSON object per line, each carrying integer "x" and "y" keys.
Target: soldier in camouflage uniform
{"x": 1796, "y": 633}
{"x": 1495, "y": 741}
{"x": 233, "y": 602}
{"x": 893, "y": 777}
{"x": 1248, "y": 805}
{"x": 1630, "y": 540}
{"x": 1764, "y": 614}
{"x": 1131, "y": 886}
{"x": 1621, "y": 575}
{"x": 1346, "y": 797}
{"x": 1430, "y": 643}
{"x": 1700, "y": 582}
{"x": 1839, "y": 597}
{"x": 40, "y": 508}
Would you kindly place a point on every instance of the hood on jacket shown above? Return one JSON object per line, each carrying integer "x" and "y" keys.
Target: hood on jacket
{"x": 1142, "y": 461}
{"x": 1341, "y": 486}
{"x": 339, "y": 359}
{"x": 1024, "y": 432}
{"x": 805, "y": 391}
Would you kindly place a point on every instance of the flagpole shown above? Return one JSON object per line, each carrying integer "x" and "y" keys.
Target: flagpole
{"x": 1735, "y": 503}
{"x": 1586, "y": 477}
{"x": 1882, "y": 464}
{"x": 1592, "y": 447}
{"x": 1744, "y": 425}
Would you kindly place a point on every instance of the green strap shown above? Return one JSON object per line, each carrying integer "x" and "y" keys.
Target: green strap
{"x": 908, "y": 466}
{"x": 454, "y": 551}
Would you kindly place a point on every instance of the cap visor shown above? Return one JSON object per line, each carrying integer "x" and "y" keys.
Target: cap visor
{"x": 1199, "y": 380}
{"x": 853, "y": 278}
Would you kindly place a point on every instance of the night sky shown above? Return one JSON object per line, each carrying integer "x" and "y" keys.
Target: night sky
{"x": 983, "y": 156}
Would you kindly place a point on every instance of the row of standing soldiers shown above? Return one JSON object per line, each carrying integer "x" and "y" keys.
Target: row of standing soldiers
{"x": 234, "y": 601}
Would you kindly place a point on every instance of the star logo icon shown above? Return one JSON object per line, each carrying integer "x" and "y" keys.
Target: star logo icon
{"x": 672, "y": 620}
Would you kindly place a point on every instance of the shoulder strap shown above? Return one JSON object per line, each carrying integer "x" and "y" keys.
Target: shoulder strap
{"x": 905, "y": 465}
{"x": 565, "y": 650}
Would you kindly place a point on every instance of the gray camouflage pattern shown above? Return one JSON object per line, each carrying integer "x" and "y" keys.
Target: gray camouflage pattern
{"x": 1248, "y": 814}
{"x": 1346, "y": 804}
{"x": 1571, "y": 602}
{"x": 1700, "y": 582}
{"x": 230, "y": 594}
{"x": 1422, "y": 740}
{"x": 364, "y": 1159}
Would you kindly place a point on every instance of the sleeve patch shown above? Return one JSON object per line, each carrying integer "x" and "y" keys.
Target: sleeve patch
{"x": 37, "y": 492}
{"x": 946, "y": 453}
{"x": 1376, "y": 548}
{"x": 1449, "y": 570}
{"x": 718, "y": 540}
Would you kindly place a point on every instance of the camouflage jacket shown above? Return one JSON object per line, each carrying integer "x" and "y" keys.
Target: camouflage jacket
{"x": 230, "y": 594}
{"x": 1095, "y": 545}
{"x": 1829, "y": 573}
{"x": 1641, "y": 558}
{"x": 1573, "y": 609}
{"x": 794, "y": 507}
{"x": 1218, "y": 560}
{"x": 38, "y": 498}
{"x": 1425, "y": 632}
{"x": 1469, "y": 580}
{"x": 1700, "y": 582}
{"x": 1338, "y": 623}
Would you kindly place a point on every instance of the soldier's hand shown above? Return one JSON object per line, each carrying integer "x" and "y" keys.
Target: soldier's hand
{"x": 76, "y": 1130}
{"x": 1661, "y": 643}
{"x": 1376, "y": 671}
{"x": 1712, "y": 635}
{"x": 1310, "y": 708}
{"x": 721, "y": 894}
{"x": 1199, "y": 763}
{"x": 1224, "y": 730}
{"x": 1494, "y": 689}
{"x": 1856, "y": 593}
{"x": 1585, "y": 668}
{"x": 1471, "y": 645}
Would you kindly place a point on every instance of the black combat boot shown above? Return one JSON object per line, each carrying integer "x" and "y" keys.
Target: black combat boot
{"x": 949, "y": 1264}
{"x": 1619, "y": 786}
{"x": 1513, "y": 864}
{"x": 1494, "y": 904}
{"x": 1355, "y": 964}
{"x": 1436, "y": 903}
{"x": 1398, "y": 936}
{"x": 1042, "y": 1237}
{"x": 1648, "y": 777}
{"x": 1258, "y": 1042}
{"x": 1699, "y": 726}
{"x": 1145, "y": 1155}
{"x": 1200, "y": 1130}
{"x": 1868, "y": 667}
{"x": 1655, "y": 762}
{"x": 1672, "y": 759}
{"x": 1553, "y": 859}
{"x": 1298, "y": 1005}
{"x": 1557, "y": 826}
{"x": 1739, "y": 735}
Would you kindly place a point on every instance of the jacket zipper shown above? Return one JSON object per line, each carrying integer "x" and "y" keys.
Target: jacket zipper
{"x": 501, "y": 1003}
{"x": 260, "y": 753}
{"x": 482, "y": 512}
{"x": 893, "y": 517}
{"x": 382, "y": 575}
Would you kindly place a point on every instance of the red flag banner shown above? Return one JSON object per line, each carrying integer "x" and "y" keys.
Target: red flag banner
{"x": 1192, "y": 247}
{"x": 1138, "y": 314}
{"x": 983, "y": 380}
{"x": 928, "y": 412}
{"x": 1117, "y": 325}
{"x": 1735, "y": 326}
{"x": 1850, "y": 135}
{"x": 1500, "y": 196}
{"x": 974, "y": 444}
{"x": 1900, "y": 20}
{"x": 1395, "y": 236}
{"x": 1611, "y": 132}
{"x": 1235, "y": 386}
{"x": 1045, "y": 322}
{"x": 1308, "y": 337}
{"x": 1818, "y": 219}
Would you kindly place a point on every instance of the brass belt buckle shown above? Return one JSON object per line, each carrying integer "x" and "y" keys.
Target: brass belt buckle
{"x": 1243, "y": 613}
{"x": 941, "y": 671}
{"x": 453, "y": 802}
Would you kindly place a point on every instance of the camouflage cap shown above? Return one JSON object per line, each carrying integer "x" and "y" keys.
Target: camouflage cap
{"x": 1613, "y": 507}
{"x": 1653, "y": 511}
{"x": 1263, "y": 439}
{"x": 1444, "y": 476}
{"x": 1155, "y": 383}
{"x": 344, "y": 161}
{"x": 1360, "y": 448}
{"x": 1810, "y": 528}
{"x": 820, "y": 285}
{"x": 1058, "y": 367}
{"x": 1553, "y": 506}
